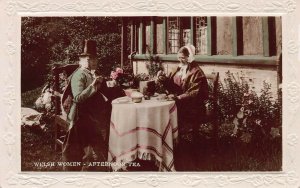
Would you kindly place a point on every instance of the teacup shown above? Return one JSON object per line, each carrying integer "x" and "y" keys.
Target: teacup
{"x": 128, "y": 92}
{"x": 161, "y": 97}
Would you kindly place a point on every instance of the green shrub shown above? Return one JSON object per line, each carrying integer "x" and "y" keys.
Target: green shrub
{"x": 245, "y": 114}
{"x": 48, "y": 40}
{"x": 28, "y": 98}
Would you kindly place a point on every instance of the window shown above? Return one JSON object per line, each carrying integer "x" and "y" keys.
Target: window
{"x": 211, "y": 36}
{"x": 185, "y": 25}
{"x": 173, "y": 35}
{"x": 180, "y": 33}
{"x": 201, "y": 35}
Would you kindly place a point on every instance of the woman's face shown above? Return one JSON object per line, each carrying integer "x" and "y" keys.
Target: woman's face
{"x": 182, "y": 58}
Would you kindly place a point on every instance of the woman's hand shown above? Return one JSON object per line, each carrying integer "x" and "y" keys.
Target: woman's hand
{"x": 173, "y": 97}
{"x": 161, "y": 76}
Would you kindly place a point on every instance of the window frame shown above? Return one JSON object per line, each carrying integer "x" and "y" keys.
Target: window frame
{"x": 236, "y": 58}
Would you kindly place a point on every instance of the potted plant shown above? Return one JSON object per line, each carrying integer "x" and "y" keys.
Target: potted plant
{"x": 147, "y": 81}
{"x": 121, "y": 78}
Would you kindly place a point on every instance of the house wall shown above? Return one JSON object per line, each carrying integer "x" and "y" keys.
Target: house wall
{"x": 224, "y": 35}
{"x": 252, "y": 35}
{"x": 251, "y": 29}
{"x": 255, "y": 76}
{"x": 278, "y": 26}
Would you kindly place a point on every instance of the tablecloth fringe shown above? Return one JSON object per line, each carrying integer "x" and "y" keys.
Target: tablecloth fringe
{"x": 143, "y": 156}
{"x": 150, "y": 157}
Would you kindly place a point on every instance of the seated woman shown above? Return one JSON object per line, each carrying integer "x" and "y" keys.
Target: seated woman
{"x": 189, "y": 87}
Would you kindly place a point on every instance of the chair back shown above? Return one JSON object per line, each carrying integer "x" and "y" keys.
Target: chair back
{"x": 59, "y": 84}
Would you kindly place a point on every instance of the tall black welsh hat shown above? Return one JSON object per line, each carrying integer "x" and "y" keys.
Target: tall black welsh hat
{"x": 89, "y": 48}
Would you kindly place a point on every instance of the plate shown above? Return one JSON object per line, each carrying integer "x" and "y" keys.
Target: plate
{"x": 155, "y": 95}
{"x": 123, "y": 100}
{"x": 161, "y": 100}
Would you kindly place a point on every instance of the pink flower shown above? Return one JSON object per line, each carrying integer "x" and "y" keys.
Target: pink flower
{"x": 119, "y": 70}
{"x": 114, "y": 75}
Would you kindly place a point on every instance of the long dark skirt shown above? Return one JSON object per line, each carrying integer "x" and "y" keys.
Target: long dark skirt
{"x": 190, "y": 113}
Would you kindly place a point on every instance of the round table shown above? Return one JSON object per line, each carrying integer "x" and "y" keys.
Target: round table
{"x": 145, "y": 130}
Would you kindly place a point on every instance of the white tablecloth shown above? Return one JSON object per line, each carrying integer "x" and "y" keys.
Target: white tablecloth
{"x": 146, "y": 130}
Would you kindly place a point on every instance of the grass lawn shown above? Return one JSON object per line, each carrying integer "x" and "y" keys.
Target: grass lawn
{"x": 229, "y": 155}
{"x": 36, "y": 145}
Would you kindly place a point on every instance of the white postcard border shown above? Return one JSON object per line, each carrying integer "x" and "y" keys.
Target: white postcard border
{"x": 10, "y": 115}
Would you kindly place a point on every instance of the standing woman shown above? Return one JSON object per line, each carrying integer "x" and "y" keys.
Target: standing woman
{"x": 189, "y": 87}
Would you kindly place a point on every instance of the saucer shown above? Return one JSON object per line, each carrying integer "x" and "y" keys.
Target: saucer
{"x": 155, "y": 95}
{"x": 162, "y": 100}
{"x": 123, "y": 100}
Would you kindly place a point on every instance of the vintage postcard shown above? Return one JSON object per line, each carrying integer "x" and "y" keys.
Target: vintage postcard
{"x": 129, "y": 93}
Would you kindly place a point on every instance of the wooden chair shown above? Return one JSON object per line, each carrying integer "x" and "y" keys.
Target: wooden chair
{"x": 60, "y": 122}
{"x": 206, "y": 143}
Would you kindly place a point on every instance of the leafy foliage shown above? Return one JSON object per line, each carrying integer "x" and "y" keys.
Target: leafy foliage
{"x": 49, "y": 40}
{"x": 246, "y": 114}
{"x": 153, "y": 64}
{"x": 29, "y": 97}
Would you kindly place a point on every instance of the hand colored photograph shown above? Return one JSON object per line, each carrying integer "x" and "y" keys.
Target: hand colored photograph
{"x": 128, "y": 94}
